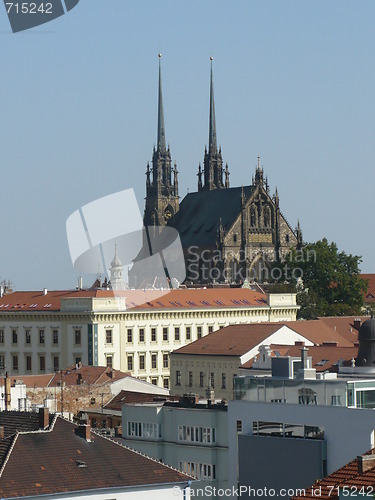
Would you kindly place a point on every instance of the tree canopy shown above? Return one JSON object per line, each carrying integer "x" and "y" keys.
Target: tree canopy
{"x": 328, "y": 280}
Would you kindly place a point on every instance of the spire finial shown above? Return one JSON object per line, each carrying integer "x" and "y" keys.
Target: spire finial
{"x": 161, "y": 129}
{"x": 258, "y": 161}
{"x": 212, "y": 146}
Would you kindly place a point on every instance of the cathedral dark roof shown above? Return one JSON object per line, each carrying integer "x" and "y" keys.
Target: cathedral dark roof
{"x": 199, "y": 216}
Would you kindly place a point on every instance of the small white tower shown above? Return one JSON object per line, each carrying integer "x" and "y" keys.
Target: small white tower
{"x": 117, "y": 282}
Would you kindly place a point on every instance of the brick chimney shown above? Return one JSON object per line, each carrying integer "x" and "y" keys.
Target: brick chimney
{"x": 357, "y": 323}
{"x": 365, "y": 463}
{"x": 43, "y": 418}
{"x": 84, "y": 431}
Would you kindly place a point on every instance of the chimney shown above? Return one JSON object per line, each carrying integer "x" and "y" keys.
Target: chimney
{"x": 45, "y": 291}
{"x": 80, "y": 283}
{"x": 43, "y": 418}
{"x": 357, "y": 323}
{"x": 365, "y": 463}
{"x": 84, "y": 431}
{"x": 79, "y": 379}
{"x": 7, "y": 391}
{"x": 301, "y": 343}
{"x": 1, "y": 291}
{"x": 210, "y": 396}
{"x": 2, "y": 432}
{"x": 304, "y": 357}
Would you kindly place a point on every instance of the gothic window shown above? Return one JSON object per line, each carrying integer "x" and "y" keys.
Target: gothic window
{"x": 267, "y": 216}
{"x": 253, "y": 216}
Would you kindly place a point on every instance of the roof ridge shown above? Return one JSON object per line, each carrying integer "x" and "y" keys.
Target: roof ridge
{"x": 9, "y": 453}
{"x": 94, "y": 431}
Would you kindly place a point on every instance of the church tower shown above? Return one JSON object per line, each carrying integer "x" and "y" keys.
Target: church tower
{"x": 213, "y": 161}
{"x": 162, "y": 200}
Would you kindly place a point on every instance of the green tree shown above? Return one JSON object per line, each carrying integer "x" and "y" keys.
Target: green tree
{"x": 328, "y": 280}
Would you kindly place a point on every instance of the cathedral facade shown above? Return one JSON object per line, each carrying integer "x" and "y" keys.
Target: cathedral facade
{"x": 228, "y": 234}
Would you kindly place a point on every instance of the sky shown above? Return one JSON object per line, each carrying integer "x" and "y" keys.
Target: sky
{"x": 294, "y": 83}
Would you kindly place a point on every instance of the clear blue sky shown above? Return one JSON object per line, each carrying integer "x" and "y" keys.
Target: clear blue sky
{"x": 294, "y": 83}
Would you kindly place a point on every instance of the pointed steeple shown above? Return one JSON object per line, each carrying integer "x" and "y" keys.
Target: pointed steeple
{"x": 212, "y": 145}
{"x": 161, "y": 129}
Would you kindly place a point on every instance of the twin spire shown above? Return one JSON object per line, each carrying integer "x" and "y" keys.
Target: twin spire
{"x": 213, "y": 164}
{"x": 161, "y": 128}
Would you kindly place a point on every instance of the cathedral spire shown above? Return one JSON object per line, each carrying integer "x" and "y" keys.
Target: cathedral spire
{"x": 161, "y": 129}
{"x": 212, "y": 145}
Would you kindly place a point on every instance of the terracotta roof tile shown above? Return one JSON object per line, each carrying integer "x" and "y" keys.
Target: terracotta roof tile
{"x": 46, "y": 463}
{"x": 140, "y": 299}
{"x": 347, "y": 476}
{"x": 130, "y": 397}
{"x": 345, "y": 325}
{"x": 318, "y": 331}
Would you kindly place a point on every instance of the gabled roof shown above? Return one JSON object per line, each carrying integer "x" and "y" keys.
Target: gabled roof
{"x": 233, "y": 340}
{"x": 348, "y": 476}
{"x": 129, "y": 397}
{"x": 88, "y": 375}
{"x": 345, "y": 325}
{"x": 60, "y": 461}
{"x": 199, "y": 215}
{"x": 318, "y": 331}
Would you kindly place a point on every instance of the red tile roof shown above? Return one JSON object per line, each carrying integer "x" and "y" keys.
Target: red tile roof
{"x": 236, "y": 340}
{"x": 348, "y": 477}
{"x": 60, "y": 461}
{"x": 317, "y": 331}
{"x": 140, "y": 299}
{"x": 369, "y": 295}
{"x": 90, "y": 375}
{"x": 345, "y": 325}
{"x": 233, "y": 340}
{"x": 131, "y": 397}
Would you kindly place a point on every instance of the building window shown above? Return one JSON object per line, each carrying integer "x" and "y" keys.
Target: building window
{"x": 190, "y": 379}
{"x": 130, "y": 335}
{"x": 56, "y": 364}
{"x": 141, "y": 335}
{"x": 108, "y": 336}
{"x": 14, "y": 337}
{"x": 142, "y": 362}
{"x": 188, "y": 333}
{"x": 42, "y": 363}
{"x": 165, "y": 360}
{"x": 1, "y": 336}
{"x": 55, "y": 335}
{"x": 2, "y": 361}
{"x": 199, "y": 332}
{"x": 166, "y": 383}
{"x": 239, "y": 425}
{"x": 201, "y": 379}
{"x": 210, "y": 329}
{"x": 153, "y": 334}
{"x": 178, "y": 377}
{"x": 177, "y": 334}
{"x": 165, "y": 334}
{"x": 77, "y": 336}
{"x": 223, "y": 380}
{"x": 130, "y": 362}
{"x": 212, "y": 380}
{"x": 154, "y": 361}
{"x": 109, "y": 361}
{"x": 15, "y": 363}
{"x": 78, "y": 360}
{"x": 199, "y": 471}
{"x": 195, "y": 434}
{"x": 235, "y": 238}
{"x": 27, "y": 336}
{"x": 144, "y": 430}
{"x": 28, "y": 363}
{"x": 154, "y": 381}
{"x": 41, "y": 337}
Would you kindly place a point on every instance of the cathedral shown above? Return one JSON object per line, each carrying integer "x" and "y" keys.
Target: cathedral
{"x": 229, "y": 234}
